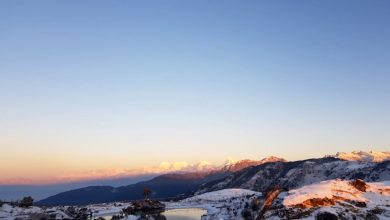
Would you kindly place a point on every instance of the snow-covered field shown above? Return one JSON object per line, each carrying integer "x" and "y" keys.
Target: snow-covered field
{"x": 105, "y": 209}
{"x": 221, "y": 195}
{"x": 376, "y": 193}
{"x": 338, "y": 197}
{"x": 221, "y": 204}
{"x": 343, "y": 198}
{"x": 9, "y": 212}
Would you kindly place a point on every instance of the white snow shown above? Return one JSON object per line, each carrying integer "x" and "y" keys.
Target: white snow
{"x": 222, "y": 195}
{"x": 347, "y": 200}
{"x": 229, "y": 203}
{"x": 106, "y": 208}
{"x": 216, "y": 203}
{"x": 9, "y": 212}
{"x": 376, "y": 193}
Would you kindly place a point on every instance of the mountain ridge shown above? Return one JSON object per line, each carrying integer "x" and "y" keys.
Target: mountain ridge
{"x": 299, "y": 173}
{"x": 164, "y": 186}
{"x": 247, "y": 174}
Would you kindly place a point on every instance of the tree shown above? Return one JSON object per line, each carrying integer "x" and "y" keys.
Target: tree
{"x": 146, "y": 193}
{"x": 26, "y": 202}
{"x": 255, "y": 204}
{"x": 246, "y": 214}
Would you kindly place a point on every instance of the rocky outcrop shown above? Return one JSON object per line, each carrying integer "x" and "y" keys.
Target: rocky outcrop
{"x": 146, "y": 206}
{"x": 268, "y": 201}
{"x": 359, "y": 185}
{"x": 316, "y": 202}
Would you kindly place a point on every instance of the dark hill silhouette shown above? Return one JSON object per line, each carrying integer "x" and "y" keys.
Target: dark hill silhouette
{"x": 163, "y": 187}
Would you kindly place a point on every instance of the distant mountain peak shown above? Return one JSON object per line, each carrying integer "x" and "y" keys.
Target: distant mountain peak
{"x": 234, "y": 166}
{"x": 239, "y": 165}
{"x": 272, "y": 159}
{"x": 370, "y": 156}
{"x": 230, "y": 161}
{"x": 204, "y": 166}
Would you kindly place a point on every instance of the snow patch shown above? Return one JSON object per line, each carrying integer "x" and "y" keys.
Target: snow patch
{"x": 222, "y": 195}
{"x": 376, "y": 193}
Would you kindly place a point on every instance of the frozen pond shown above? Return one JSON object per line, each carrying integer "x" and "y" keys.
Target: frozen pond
{"x": 184, "y": 214}
{"x": 178, "y": 214}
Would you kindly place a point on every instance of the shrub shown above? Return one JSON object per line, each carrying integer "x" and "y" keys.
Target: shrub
{"x": 146, "y": 192}
{"x": 255, "y": 204}
{"x": 160, "y": 217}
{"x": 128, "y": 211}
{"x": 326, "y": 216}
{"x": 359, "y": 184}
{"x": 71, "y": 211}
{"x": 246, "y": 214}
{"x": 26, "y": 202}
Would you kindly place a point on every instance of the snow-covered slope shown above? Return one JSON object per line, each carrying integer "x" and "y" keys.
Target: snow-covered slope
{"x": 272, "y": 159}
{"x": 332, "y": 199}
{"x": 234, "y": 166}
{"x": 9, "y": 212}
{"x": 340, "y": 190}
{"x": 338, "y": 198}
{"x": 296, "y": 174}
{"x": 371, "y": 156}
{"x": 221, "y": 195}
{"x": 221, "y": 204}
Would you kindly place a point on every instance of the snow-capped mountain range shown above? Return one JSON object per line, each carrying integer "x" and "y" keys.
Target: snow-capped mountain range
{"x": 295, "y": 174}
{"x": 343, "y": 186}
{"x": 205, "y": 166}
{"x": 236, "y": 165}
{"x": 246, "y": 174}
{"x": 371, "y": 156}
{"x": 241, "y": 164}
{"x": 332, "y": 199}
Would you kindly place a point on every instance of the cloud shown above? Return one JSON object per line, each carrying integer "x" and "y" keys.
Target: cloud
{"x": 114, "y": 173}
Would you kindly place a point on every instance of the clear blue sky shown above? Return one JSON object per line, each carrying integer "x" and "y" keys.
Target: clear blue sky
{"x": 95, "y": 84}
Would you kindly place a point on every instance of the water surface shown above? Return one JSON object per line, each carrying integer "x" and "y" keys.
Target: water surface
{"x": 184, "y": 214}
{"x": 178, "y": 214}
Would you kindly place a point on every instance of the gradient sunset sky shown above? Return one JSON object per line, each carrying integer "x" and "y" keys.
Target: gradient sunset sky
{"x": 105, "y": 85}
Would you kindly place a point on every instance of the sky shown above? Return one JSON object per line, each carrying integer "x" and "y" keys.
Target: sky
{"x": 96, "y": 86}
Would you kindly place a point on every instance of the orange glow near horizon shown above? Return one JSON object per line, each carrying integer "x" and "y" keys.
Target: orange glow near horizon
{"x": 32, "y": 177}
{"x": 56, "y": 169}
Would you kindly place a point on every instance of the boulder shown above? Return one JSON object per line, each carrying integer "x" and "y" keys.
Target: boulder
{"x": 359, "y": 185}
